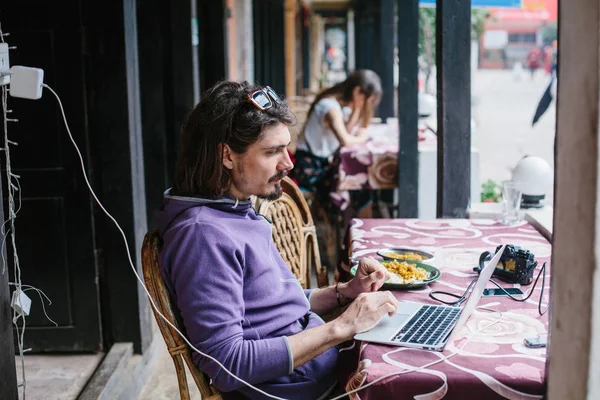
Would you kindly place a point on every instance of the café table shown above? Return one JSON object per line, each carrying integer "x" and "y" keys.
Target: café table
{"x": 492, "y": 363}
{"x": 374, "y": 166}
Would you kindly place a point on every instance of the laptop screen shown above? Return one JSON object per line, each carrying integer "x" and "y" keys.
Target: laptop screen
{"x": 477, "y": 292}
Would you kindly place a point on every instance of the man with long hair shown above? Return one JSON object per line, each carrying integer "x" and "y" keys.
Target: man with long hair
{"x": 238, "y": 300}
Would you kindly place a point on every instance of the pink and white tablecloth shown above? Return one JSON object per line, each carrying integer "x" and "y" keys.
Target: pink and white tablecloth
{"x": 494, "y": 363}
{"x": 374, "y": 164}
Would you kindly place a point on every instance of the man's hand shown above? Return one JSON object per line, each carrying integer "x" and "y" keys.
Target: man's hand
{"x": 361, "y": 315}
{"x": 365, "y": 312}
{"x": 370, "y": 276}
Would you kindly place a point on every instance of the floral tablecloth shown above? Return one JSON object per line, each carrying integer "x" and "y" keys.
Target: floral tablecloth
{"x": 374, "y": 164}
{"x": 494, "y": 363}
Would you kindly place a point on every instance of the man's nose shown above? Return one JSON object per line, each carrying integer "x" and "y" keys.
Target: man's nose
{"x": 287, "y": 163}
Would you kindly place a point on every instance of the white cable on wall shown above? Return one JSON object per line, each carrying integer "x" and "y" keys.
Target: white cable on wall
{"x": 11, "y": 217}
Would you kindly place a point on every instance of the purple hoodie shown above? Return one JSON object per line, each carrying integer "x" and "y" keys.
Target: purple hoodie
{"x": 238, "y": 299}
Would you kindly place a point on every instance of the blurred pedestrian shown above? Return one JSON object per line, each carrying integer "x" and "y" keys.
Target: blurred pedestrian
{"x": 533, "y": 60}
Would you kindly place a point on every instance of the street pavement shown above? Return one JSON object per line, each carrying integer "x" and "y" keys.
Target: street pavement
{"x": 503, "y": 108}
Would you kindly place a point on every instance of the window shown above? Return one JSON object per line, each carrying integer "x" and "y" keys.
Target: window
{"x": 522, "y": 37}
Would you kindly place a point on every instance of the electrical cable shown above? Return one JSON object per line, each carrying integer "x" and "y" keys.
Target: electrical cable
{"x": 40, "y": 293}
{"x": 406, "y": 371}
{"x": 461, "y": 298}
{"x": 12, "y": 215}
{"x": 542, "y": 270}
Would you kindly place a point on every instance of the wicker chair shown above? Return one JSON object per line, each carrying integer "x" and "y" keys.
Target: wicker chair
{"x": 177, "y": 347}
{"x": 294, "y": 233}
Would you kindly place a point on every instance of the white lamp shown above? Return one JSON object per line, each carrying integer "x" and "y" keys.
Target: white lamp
{"x": 427, "y": 105}
{"x": 534, "y": 177}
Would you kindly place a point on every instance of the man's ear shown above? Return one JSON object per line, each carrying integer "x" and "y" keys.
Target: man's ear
{"x": 227, "y": 160}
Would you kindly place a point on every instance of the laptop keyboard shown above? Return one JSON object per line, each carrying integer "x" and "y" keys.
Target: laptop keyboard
{"x": 429, "y": 325}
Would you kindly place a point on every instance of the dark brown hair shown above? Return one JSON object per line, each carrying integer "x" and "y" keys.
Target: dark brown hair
{"x": 224, "y": 115}
{"x": 368, "y": 82}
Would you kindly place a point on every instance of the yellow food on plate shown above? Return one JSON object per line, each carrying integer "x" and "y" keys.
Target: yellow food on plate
{"x": 405, "y": 272}
{"x": 409, "y": 256}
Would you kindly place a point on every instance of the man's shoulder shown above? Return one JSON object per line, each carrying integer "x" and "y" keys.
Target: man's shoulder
{"x": 210, "y": 224}
{"x": 204, "y": 220}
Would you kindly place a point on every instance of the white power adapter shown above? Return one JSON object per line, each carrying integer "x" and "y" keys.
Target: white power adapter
{"x": 26, "y": 82}
{"x": 20, "y": 302}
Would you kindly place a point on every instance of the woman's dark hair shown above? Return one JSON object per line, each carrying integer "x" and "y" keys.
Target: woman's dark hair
{"x": 368, "y": 82}
{"x": 223, "y": 116}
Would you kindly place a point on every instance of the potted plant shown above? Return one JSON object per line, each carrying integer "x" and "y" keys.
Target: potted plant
{"x": 490, "y": 192}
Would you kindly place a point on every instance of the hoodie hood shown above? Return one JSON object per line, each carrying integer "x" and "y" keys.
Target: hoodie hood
{"x": 173, "y": 206}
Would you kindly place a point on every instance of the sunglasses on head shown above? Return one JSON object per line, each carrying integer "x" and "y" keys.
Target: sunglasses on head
{"x": 264, "y": 98}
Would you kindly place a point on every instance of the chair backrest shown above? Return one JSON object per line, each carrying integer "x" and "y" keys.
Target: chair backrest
{"x": 294, "y": 233}
{"x": 177, "y": 347}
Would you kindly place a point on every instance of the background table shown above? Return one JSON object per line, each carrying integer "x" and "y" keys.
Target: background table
{"x": 374, "y": 165}
{"x": 494, "y": 363}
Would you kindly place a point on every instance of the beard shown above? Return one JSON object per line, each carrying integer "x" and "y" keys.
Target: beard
{"x": 277, "y": 191}
{"x": 274, "y": 195}
{"x": 243, "y": 181}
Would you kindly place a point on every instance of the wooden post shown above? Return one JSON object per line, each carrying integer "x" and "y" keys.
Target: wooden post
{"x": 8, "y": 382}
{"x": 453, "y": 45}
{"x": 386, "y": 58}
{"x": 169, "y": 88}
{"x": 184, "y": 92}
{"x": 306, "y": 56}
{"x": 115, "y": 115}
{"x": 316, "y": 48}
{"x": 244, "y": 40}
{"x": 213, "y": 46}
{"x": 365, "y": 34}
{"x": 574, "y": 353}
{"x": 408, "y": 160}
{"x": 290, "y": 47}
{"x": 268, "y": 20}
{"x": 231, "y": 34}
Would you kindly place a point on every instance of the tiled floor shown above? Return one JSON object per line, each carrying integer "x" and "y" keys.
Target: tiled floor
{"x": 162, "y": 384}
{"x": 56, "y": 377}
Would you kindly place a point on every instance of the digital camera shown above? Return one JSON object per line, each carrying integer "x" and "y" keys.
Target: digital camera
{"x": 516, "y": 264}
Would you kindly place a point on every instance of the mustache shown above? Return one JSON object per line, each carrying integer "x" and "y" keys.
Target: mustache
{"x": 279, "y": 176}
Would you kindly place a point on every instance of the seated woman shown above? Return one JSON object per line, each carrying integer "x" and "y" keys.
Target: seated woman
{"x": 326, "y": 130}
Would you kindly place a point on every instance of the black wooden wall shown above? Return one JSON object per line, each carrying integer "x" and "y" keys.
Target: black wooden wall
{"x": 269, "y": 63}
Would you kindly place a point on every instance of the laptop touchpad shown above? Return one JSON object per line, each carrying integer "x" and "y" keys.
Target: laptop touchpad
{"x": 386, "y": 328}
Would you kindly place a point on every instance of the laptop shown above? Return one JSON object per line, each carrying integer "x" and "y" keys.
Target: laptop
{"x": 426, "y": 326}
